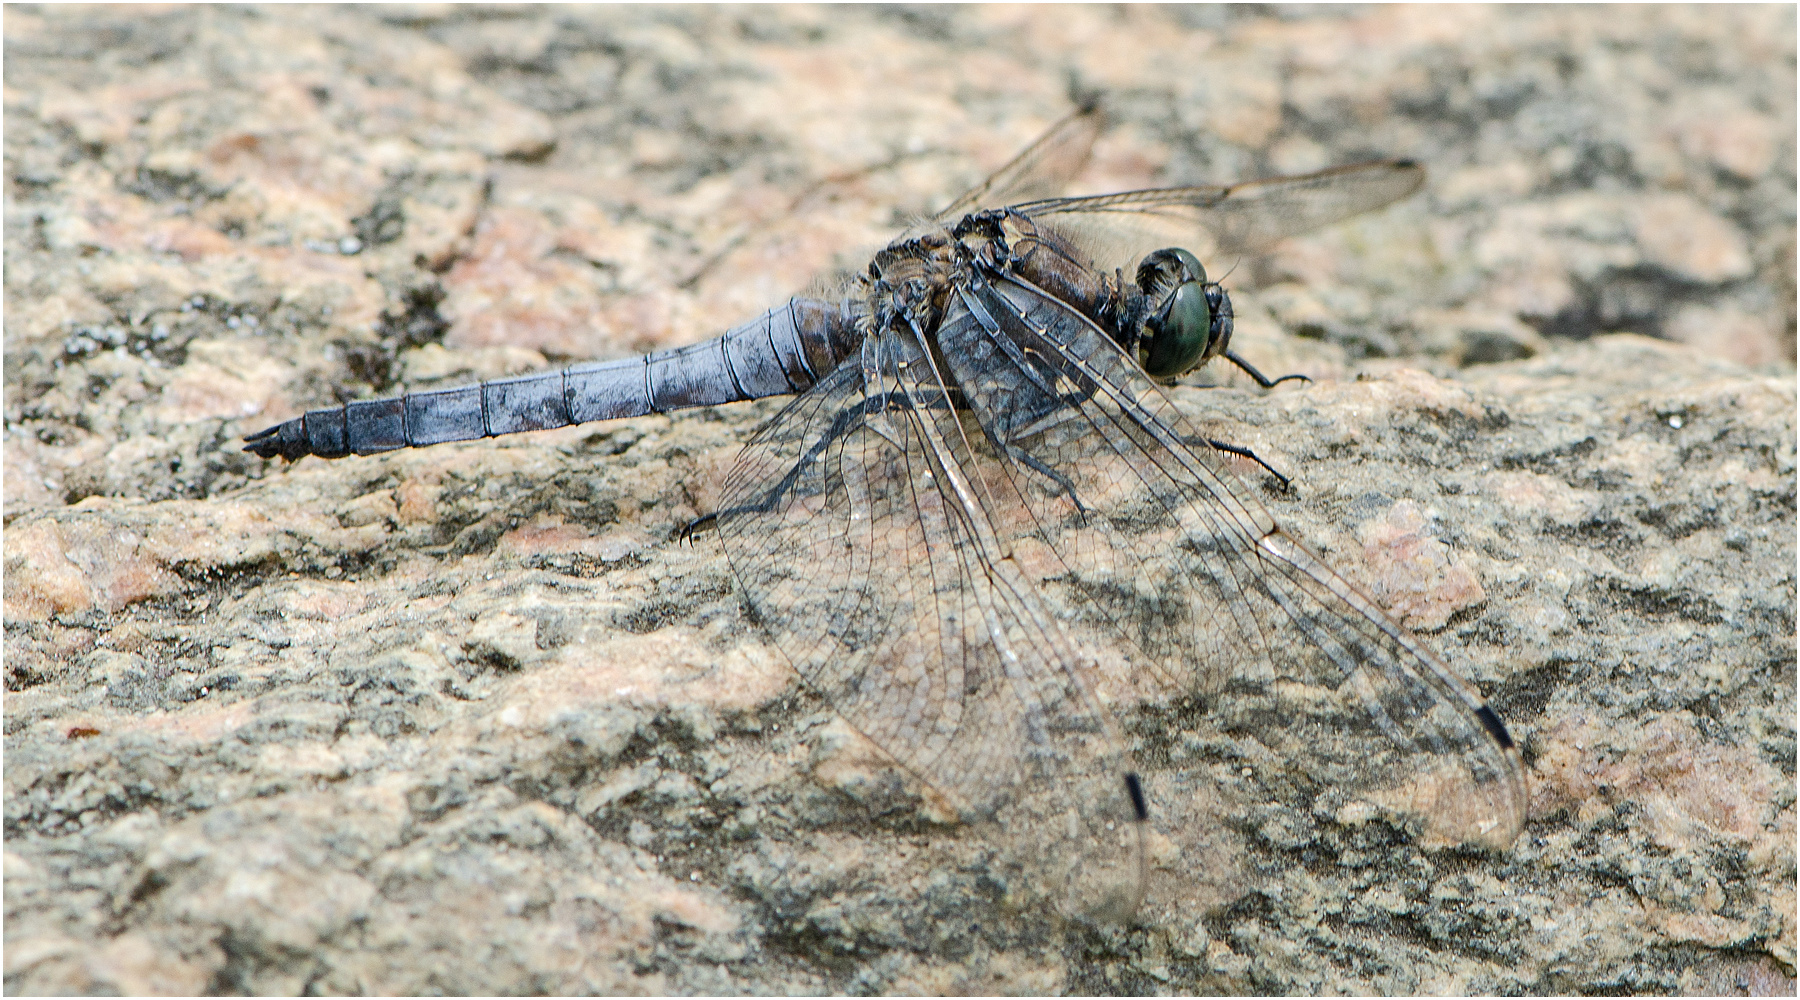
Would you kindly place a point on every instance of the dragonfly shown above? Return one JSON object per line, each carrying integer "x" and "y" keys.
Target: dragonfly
{"x": 983, "y": 488}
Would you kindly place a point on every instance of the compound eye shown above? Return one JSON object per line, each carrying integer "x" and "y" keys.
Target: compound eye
{"x": 1178, "y": 333}
{"x": 1160, "y": 272}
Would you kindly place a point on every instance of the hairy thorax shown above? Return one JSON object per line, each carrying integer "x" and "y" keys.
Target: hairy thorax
{"x": 911, "y": 282}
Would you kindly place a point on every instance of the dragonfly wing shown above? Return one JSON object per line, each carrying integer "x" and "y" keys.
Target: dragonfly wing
{"x": 1149, "y": 533}
{"x": 1232, "y": 218}
{"x": 852, "y": 526}
{"x": 1044, "y": 168}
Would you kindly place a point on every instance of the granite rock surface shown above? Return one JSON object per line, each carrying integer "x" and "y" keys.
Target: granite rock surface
{"x": 475, "y": 718}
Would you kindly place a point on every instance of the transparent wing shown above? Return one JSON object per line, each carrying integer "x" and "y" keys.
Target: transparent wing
{"x": 1147, "y": 532}
{"x": 1044, "y": 168}
{"x": 854, "y": 525}
{"x": 1232, "y": 218}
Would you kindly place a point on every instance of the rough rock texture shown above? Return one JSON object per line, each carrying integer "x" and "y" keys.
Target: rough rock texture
{"x": 471, "y": 719}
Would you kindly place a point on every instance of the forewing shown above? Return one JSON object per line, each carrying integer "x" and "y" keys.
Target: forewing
{"x": 1120, "y": 228}
{"x": 1151, "y": 534}
{"x": 1044, "y": 168}
{"x": 852, "y": 525}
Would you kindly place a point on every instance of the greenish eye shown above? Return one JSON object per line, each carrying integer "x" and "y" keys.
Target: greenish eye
{"x": 1158, "y": 273}
{"x": 1178, "y": 332}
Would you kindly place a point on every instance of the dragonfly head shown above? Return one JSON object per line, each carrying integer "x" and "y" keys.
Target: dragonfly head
{"x": 1189, "y": 319}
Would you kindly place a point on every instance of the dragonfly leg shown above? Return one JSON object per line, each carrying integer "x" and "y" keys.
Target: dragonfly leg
{"x": 705, "y": 522}
{"x": 1243, "y": 452}
{"x": 1068, "y": 488}
{"x": 1263, "y": 380}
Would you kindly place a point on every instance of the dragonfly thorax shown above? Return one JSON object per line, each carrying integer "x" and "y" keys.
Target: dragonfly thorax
{"x": 910, "y": 282}
{"x": 1172, "y": 319}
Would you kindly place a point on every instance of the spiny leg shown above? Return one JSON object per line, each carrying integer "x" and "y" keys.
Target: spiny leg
{"x": 1243, "y": 452}
{"x": 705, "y": 522}
{"x": 1261, "y": 379}
{"x": 1067, "y": 488}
